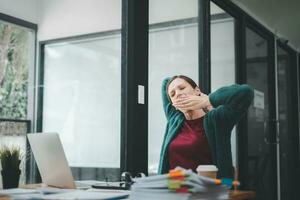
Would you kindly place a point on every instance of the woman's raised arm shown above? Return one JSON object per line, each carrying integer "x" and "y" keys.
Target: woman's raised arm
{"x": 167, "y": 106}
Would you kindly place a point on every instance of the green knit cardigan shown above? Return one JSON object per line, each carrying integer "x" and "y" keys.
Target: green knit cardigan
{"x": 230, "y": 103}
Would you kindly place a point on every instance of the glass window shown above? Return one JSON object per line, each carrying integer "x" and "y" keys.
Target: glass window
{"x": 223, "y": 57}
{"x": 17, "y": 48}
{"x": 173, "y": 50}
{"x": 222, "y": 48}
{"x": 82, "y": 100}
{"x": 82, "y": 92}
{"x": 16, "y": 71}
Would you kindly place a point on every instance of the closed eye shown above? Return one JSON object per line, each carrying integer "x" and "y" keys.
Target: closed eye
{"x": 172, "y": 94}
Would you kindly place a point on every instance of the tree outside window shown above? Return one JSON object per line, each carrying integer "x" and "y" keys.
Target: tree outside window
{"x": 14, "y": 55}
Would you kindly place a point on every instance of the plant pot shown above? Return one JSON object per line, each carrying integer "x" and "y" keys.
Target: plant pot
{"x": 10, "y": 178}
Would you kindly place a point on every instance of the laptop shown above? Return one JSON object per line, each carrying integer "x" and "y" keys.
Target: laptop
{"x": 51, "y": 160}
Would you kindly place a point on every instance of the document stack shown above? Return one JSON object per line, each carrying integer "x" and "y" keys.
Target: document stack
{"x": 179, "y": 184}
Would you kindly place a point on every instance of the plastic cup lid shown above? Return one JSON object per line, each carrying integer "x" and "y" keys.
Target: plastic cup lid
{"x": 202, "y": 168}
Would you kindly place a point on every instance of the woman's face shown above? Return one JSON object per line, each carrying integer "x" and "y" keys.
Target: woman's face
{"x": 179, "y": 88}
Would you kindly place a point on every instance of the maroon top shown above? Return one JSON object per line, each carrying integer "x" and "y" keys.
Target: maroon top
{"x": 190, "y": 147}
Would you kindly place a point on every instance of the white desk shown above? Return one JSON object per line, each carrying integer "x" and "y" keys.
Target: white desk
{"x": 233, "y": 195}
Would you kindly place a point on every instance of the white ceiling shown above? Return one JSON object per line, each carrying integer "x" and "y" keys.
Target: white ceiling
{"x": 282, "y": 17}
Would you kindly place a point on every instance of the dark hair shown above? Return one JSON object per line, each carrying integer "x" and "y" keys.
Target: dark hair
{"x": 187, "y": 79}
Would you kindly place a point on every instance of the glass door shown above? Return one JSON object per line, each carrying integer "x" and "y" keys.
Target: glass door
{"x": 260, "y": 158}
{"x": 288, "y": 119}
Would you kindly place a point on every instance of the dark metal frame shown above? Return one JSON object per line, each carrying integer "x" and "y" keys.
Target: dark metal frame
{"x": 18, "y": 21}
{"x": 204, "y": 45}
{"x": 298, "y": 82}
{"x": 134, "y": 121}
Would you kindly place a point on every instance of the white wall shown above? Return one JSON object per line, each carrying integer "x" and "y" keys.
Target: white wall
{"x": 23, "y": 9}
{"x": 63, "y": 18}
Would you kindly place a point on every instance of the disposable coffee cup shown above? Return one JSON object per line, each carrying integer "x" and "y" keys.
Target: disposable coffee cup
{"x": 207, "y": 170}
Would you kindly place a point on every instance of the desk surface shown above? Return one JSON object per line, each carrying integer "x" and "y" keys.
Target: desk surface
{"x": 241, "y": 195}
{"x": 233, "y": 194}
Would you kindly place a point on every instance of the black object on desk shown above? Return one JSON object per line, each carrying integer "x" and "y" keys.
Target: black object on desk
{"x": 110, "y": 187}
{"x": 125, "y": 184}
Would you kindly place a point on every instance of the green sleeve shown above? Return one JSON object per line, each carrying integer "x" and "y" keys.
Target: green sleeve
{"x": 167, "y": 106}
{"x": 236, "y": 98}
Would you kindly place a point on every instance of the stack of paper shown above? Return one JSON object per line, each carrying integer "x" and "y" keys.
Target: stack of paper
{"x": 19, "y": 193}
{"x": 63, "y": 194}
{"x": 88, "y": 195}
{"x": 179, "y": 184}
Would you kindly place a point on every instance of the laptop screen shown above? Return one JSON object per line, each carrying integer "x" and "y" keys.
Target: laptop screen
{"x": 51, "y": 160}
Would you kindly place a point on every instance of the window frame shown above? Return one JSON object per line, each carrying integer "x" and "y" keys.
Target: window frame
{"x": 34, "y": 28}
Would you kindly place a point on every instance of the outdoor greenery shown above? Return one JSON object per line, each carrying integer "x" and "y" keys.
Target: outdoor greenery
{"x": 10, "y": 158}
{"x": 14, "y": 51}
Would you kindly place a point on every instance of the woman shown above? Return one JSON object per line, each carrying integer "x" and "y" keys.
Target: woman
{"x": 199, "y": 126}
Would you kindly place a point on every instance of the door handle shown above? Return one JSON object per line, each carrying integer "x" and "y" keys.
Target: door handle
{"x": 271, "y": 126}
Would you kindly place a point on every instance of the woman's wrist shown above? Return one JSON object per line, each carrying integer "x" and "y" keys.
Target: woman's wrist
{"x": 207, "y": 102}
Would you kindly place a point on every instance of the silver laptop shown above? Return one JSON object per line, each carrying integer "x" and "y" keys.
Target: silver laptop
{"x": 51, "y": 160}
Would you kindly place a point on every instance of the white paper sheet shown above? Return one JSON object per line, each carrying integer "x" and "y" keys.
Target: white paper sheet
{"x": 17, "y": 191}
{"x": 85, "y": 195}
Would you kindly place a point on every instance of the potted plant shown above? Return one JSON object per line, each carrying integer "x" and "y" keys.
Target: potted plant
{"x": 10, "y": 161}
